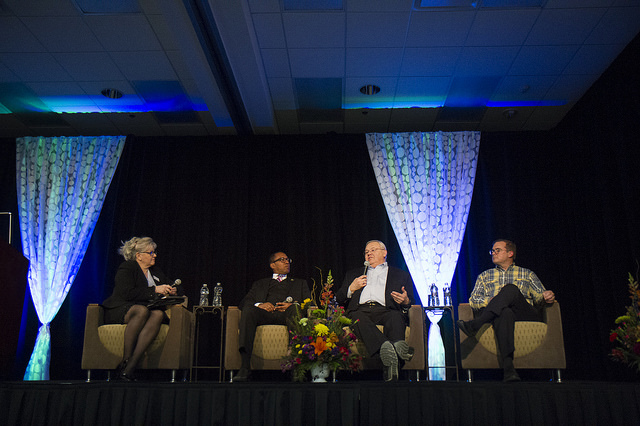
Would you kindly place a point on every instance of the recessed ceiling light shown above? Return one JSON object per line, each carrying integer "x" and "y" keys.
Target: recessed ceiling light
{"x": 369, "y": 89}
{"x": 111, "y": 93}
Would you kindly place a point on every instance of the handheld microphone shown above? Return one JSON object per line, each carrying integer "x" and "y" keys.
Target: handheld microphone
{"x": 176, "y": 283}
{"x": 366, "y": 266}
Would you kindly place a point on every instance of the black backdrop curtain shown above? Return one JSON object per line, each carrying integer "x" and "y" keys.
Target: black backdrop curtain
{"x": 217, "y": 207}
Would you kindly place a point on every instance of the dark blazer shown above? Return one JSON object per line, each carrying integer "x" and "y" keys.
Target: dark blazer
{"x": 396, "y": 279}
{"x": 298, "y": 290}
{"x": 131, "y": 285}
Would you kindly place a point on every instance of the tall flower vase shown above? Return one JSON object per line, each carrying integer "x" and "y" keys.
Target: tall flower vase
{"x": 320, "y": 372}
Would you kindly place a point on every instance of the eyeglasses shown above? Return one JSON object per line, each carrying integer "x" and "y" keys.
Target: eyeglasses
{"x": 284, "y": 259}
{"x": 366, "y": 252}
{"x": 150, "y": 253}
{"x": 496, "y": 251}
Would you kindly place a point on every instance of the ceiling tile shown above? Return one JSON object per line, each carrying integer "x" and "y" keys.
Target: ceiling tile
{"x": 321, "y": 63}
{"x": 570, "y": 88}
{"x": 542, "y": 60}
{"x": 282, "y": 94}
{"x": 15, "y": 37}
{"x": 486, "y": 60}
{"x": 63, "y": 34}
{"x": 123, "y": 32}
{"x": 501, "y": 27}
{"x": 57, "y": 89}
{"x": 430, "y": 61}
{"x": 376, "y": 29}
{"x": 6, "y": 75}
{"x": 617, "y": 26}
{"x": 384, "y": 62}
{"x": 439, "y": 28}
{"x": 89, "y": 65}
{"x": 264, "y": 6}
{"x": 144, "y": 65}
{"x": 42, "y": 7}
{"x": 572, "y": 4}
{"x": 35, "y": 66}
{"x": 276, "y": 62}
{"x": 306, "y": 30}
{"x": 516, "y": 89}
{"x": 421, "y": 91}
{"x": 564, "y": 26}
{"x": 379, "y": 5}
{"x": 163, "y": 31}
{"x": 591, "y": 59}
{"x": 269, "y": 30}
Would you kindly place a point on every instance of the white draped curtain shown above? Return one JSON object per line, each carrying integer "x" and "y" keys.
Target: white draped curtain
{"x": 62, "y": 183}
{"x": 426, "y": 182}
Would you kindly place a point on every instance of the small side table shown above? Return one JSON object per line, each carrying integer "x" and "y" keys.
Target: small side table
{"x": 210, "y": 319}
{"x": 449, "y": 341}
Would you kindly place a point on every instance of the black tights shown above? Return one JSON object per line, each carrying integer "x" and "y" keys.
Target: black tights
{"x": 143, "y": 326}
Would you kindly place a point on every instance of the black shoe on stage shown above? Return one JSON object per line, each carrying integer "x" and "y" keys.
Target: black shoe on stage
{"x": 465, "y": 327}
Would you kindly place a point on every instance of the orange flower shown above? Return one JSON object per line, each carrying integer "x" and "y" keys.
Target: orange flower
{"x": 320, "y": 345}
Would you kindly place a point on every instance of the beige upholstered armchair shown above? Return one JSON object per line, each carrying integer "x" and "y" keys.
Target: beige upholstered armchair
{"x": 539, "y": 345}
{"x": 272, "y": 341}
{"x": 104, "y": 344}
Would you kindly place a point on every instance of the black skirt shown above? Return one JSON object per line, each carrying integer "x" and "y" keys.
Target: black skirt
{"x": 116, "y": 315}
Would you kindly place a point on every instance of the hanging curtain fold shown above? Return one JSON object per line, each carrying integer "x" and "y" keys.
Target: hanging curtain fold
{"x": 426, "y": 182}
{"x": 61, "y": 185}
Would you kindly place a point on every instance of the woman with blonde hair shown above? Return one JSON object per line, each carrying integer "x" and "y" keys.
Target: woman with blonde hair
{"x": 137, "y": 282}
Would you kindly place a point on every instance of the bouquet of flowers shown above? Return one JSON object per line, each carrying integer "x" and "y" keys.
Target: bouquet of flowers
{"x": 320, "y": 337}
{"x": 627, "y": 333}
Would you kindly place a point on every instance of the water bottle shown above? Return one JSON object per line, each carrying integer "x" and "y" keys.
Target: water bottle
{"x": 204, "y": 295}
{"x": 217, "y": 295}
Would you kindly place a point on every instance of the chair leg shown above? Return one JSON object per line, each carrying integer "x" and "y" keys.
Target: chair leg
{"x": 417, "y": 375}
{"x": 108, "y": 375}
{"x": 173, "y": 376}
{"x": 469, "y": 376}
{"x": 558, "y": 376}
{"x": 88, "y": 376}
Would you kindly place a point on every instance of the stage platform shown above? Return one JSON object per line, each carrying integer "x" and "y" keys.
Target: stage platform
{"x": 341, "y": 403}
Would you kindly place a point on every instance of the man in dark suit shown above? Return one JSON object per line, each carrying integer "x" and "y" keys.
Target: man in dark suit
{"x": 379, "y": 295}
{"x": 271, "y": 300}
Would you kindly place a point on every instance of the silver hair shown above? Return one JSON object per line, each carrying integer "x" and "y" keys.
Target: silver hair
{"x": 376, "y": 241}
{"x": 136, "y": 245}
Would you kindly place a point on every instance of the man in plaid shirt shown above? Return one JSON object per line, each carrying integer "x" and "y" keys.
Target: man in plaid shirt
{"x": 503, "y": 295}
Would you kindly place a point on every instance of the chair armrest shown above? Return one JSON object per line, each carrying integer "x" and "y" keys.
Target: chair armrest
{"x": 176, "y": 352}
{"x": 416, "y": 338}
{"x": 232, "y": 359}
{"x": 92, "y": 347}
{"x": 465, "y": 312}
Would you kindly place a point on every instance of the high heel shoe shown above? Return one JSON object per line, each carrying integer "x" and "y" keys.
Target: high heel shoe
{"x": 124, "y": 377}
{"x": 120, "y": 368}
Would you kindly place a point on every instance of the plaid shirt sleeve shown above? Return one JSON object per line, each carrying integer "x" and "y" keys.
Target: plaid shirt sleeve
{"x": 482, "y": 291}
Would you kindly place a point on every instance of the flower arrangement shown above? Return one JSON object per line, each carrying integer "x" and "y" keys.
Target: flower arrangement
{"x": 320, "y": 337}
{"x": 627, "y": 333}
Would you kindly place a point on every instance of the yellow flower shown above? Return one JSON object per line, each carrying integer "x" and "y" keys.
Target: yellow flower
{"x": 321, "y": 329}
{"x": 304, "y": 303}
{"x": 623, "y": 319}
